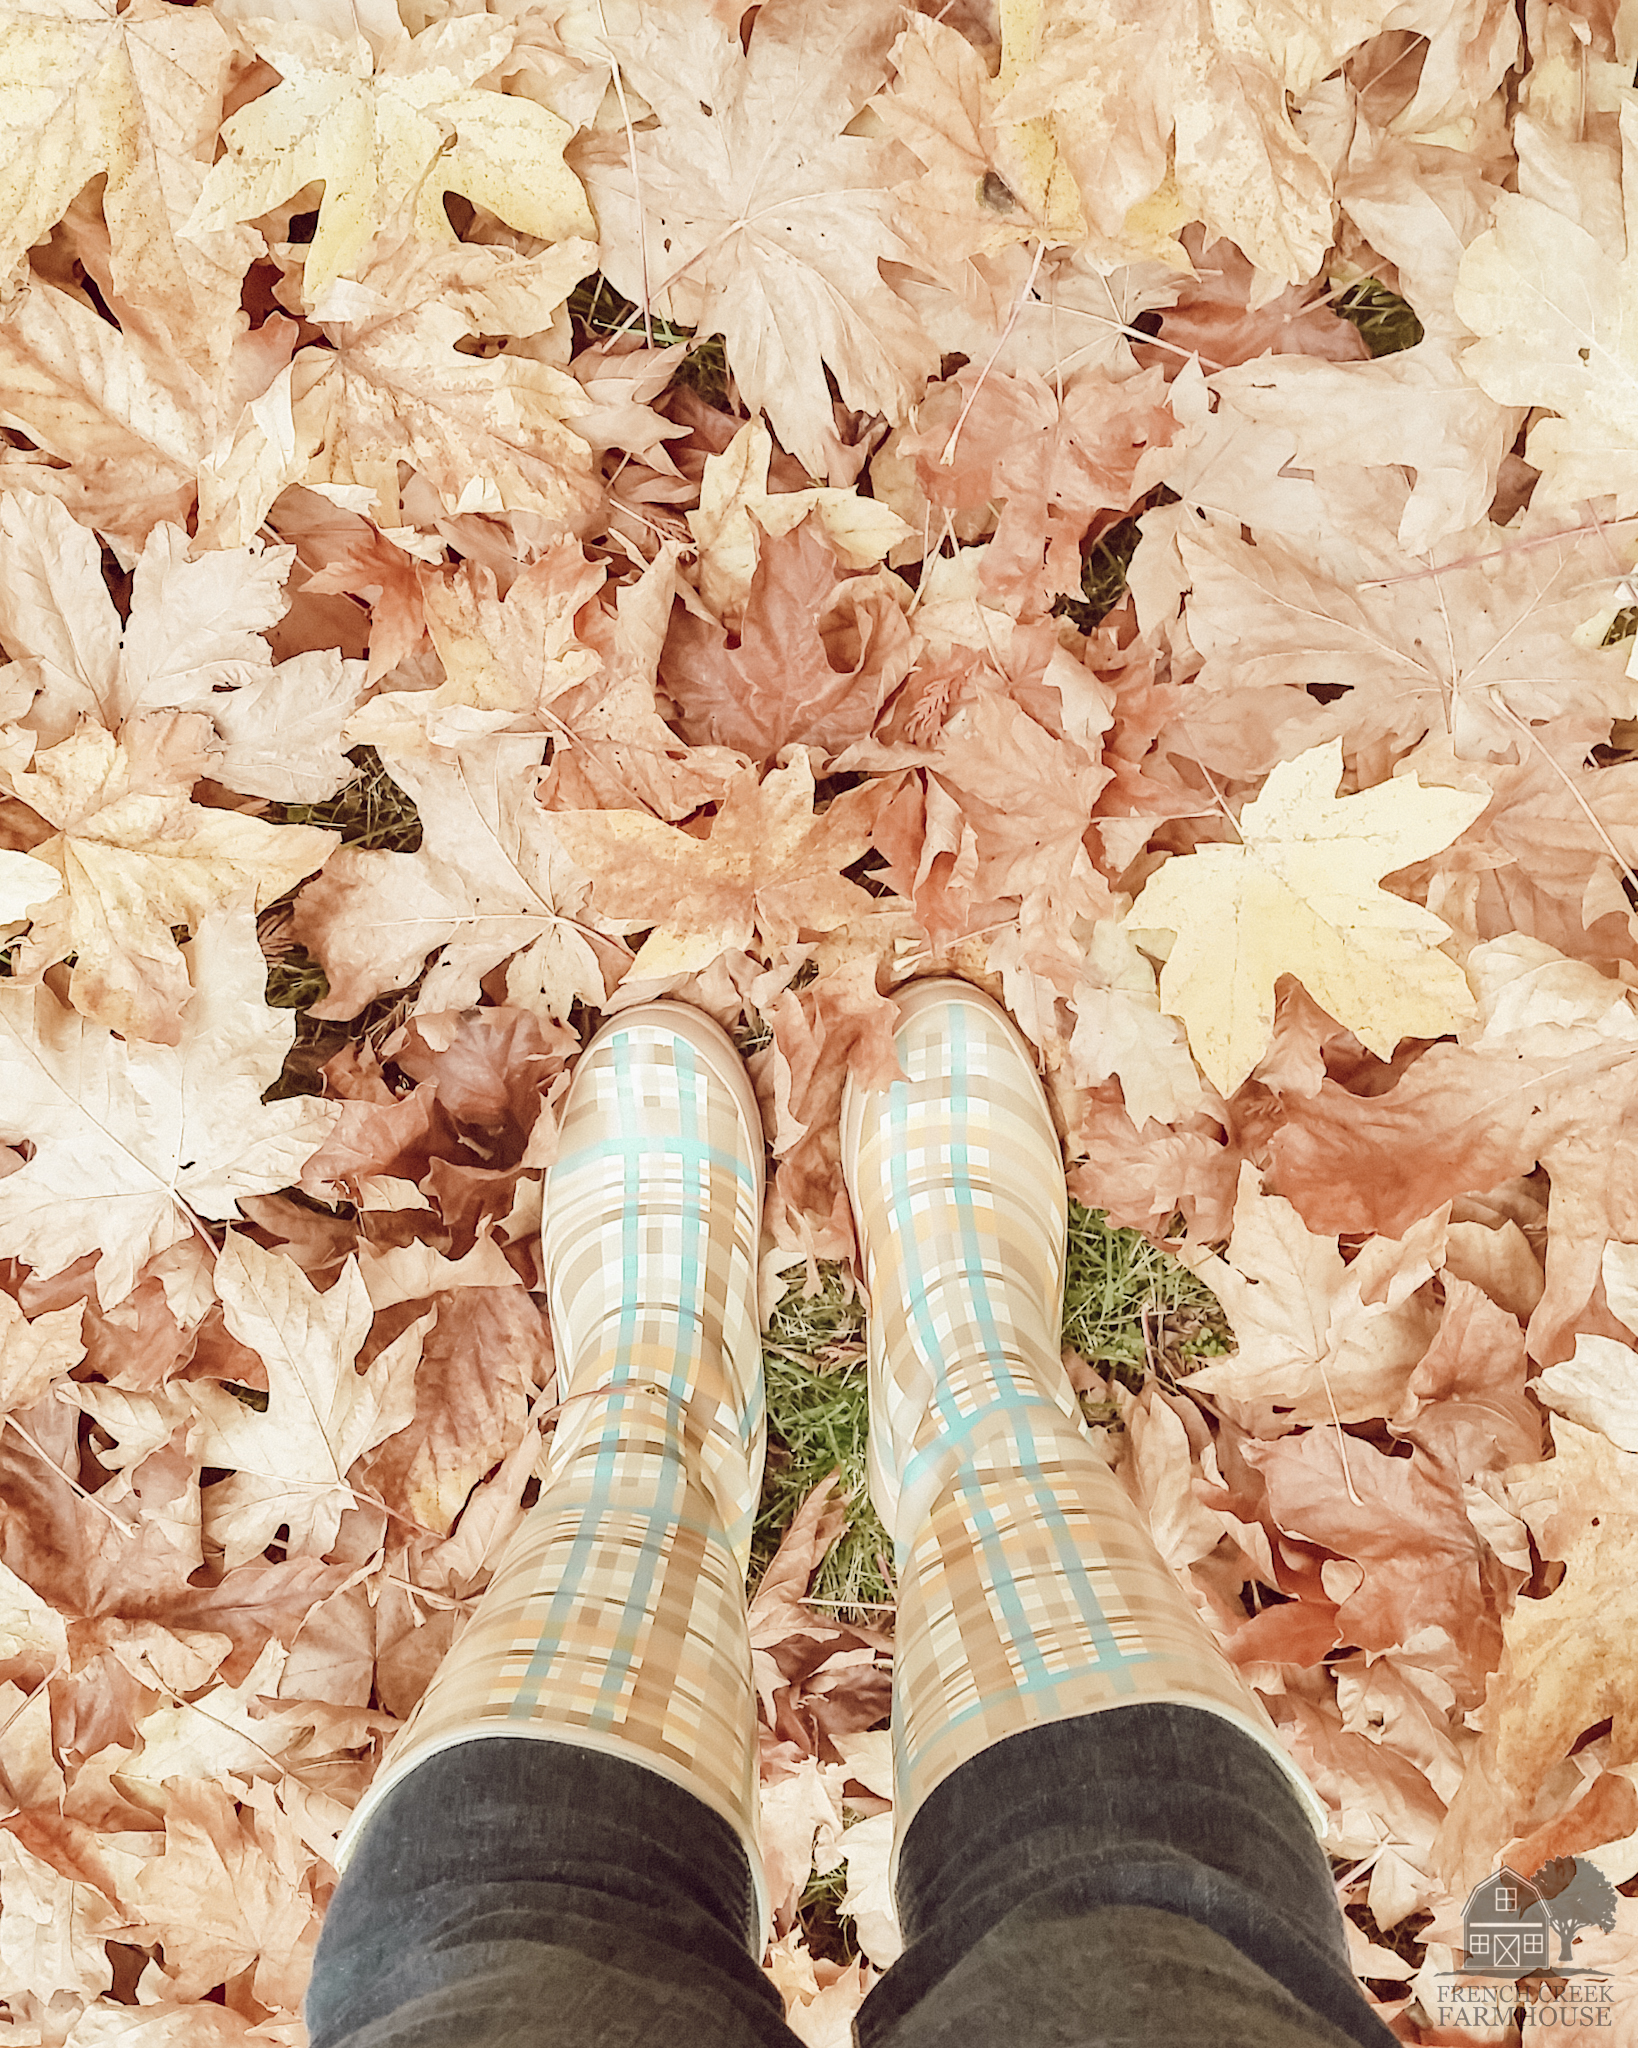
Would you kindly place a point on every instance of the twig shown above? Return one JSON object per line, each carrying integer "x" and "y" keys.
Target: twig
{"x": 1472, "y": 561}
{"x": 1342, "y": 1441}
{"x": 124, "y": 1527}
{"x": 948, "y": 456}
{"x": 636, "y": 180}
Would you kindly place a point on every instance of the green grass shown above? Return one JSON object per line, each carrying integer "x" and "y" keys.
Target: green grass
{"x": 813, "y": 1358}
{"x": 1130, "y": 1309}
{"x": 371, "y": 813}
{"x": 600, "y": 311}
{"x": 1385, "y": 320}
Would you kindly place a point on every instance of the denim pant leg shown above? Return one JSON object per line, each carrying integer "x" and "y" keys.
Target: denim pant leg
{"x": 520, "y": 1893}
{"x": 1142, "y": 1874}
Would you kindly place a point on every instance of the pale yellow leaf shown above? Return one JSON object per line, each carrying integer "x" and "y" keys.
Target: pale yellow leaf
{"x": 1298, "y": 896}
{"x": 375, "y": 132}
{"x": 133, "y": 1141}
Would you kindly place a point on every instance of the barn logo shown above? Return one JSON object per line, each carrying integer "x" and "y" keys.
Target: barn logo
{"x": 1516, "y": 1926}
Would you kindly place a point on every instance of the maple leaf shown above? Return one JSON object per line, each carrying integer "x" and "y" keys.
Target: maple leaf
{"x": 1480, "y": 648}
{"x": 374, "y": 130}
{"x": 226, "y": 1896}
{"x": 217, "y": 1732}
{"x": 168, "y": 435}
{"x": 773, "y": 222}
{"x": 1547, "y": 296}
{"x": 490, "y": 880}
{"x": 289, "y": 1464}
{"x": 545, "y": 658}
{"x": 135, "y": 96}
{"x": 489, "y": 433}
{"x": 963, "y": 204}
{"x": 1319, "y": 1341}
{"x": 1567, "y": 1657}
{"x": 133, "y": 1140}
{"x": 817, "y": 655}
{"x": 506, "y": 660}
{"x": 137, "y": 859}
{"x": 768, "y": 864}
{"x": 1404, "y": 1525}
{"x": 193, "y": 641}
{"x": 1298, "y": 896}
{"x": 1162, "y": 118}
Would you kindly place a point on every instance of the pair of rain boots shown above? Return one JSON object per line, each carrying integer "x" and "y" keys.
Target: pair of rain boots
{"x": 1029, "y": 1589}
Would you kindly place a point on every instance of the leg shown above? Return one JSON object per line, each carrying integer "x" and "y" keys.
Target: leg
{"x": 1042, "y": 1643}
{"x": 506, "y": 1881}
{"x": 612, "y": 1638}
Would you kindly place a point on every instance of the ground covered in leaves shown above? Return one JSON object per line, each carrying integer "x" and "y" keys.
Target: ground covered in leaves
{"x": 510, "y": 510}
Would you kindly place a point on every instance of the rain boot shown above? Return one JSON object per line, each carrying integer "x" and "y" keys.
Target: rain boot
{"x": 615, "y": 1618}
{"x": 1030, "y": 1590}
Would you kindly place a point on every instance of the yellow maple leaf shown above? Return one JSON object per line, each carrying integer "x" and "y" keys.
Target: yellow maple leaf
{"x": 134, "y": 94}
{"x": 1299, "y": 896}
{"x": 374, "y": 131}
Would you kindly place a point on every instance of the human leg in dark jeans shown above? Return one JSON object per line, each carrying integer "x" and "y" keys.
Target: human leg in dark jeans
{"x": 1141, "y": 1875}
{"x": 1099, "y": 1837}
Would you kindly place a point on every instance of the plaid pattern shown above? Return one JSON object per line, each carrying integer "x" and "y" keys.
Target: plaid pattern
{"x": 1029, "y": 1589}
{"x": 616, "y": 1617}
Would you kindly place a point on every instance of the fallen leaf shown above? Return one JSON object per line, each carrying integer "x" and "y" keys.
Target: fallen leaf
{"x": 374, "y": 129}
{"x": 491, "y": 880}
{"x": 137, "y": 859}
{"x": 769, "y": 863}
{"x": 1299, "y": 896}
{"x": 774, "y": 220}
{"x": 289, "y": 1463}
{"x": 133, "y": 1140}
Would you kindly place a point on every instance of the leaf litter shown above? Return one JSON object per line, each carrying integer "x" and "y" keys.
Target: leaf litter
{"x": 758, "y": 504}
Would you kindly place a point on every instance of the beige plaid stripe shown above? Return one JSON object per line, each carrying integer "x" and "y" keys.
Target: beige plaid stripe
{"x": 1029, "y": 1589}
{"x": 616, "y": 1617}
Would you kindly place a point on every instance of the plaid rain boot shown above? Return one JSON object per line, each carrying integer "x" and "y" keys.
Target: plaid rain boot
{"x": 1029, "y": 1589}
{"x": 616, "y": 1617}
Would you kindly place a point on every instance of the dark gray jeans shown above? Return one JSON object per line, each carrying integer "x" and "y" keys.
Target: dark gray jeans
{"x": 1140, "y": 1875}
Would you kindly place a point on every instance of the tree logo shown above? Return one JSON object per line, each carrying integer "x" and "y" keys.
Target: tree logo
{"x": 1576, "y": 1893}
{"x": 1509, "y": 1921}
